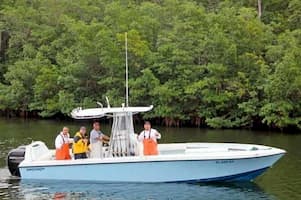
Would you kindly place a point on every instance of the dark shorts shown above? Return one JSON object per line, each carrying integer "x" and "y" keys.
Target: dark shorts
{"x": 80, "y": 156}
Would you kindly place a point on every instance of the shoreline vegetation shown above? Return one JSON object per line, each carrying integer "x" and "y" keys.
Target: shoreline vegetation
{"x": 202, "y": 63}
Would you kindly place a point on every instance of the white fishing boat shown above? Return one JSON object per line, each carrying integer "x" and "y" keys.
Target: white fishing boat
{"x": 123, "y": 159}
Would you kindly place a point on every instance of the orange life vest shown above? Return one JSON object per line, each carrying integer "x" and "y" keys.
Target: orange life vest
{"x": 149, "y": 146}
{"x": 63, "y": 153}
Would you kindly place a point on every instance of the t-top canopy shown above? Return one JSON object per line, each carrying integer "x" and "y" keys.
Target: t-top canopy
{"x": 92, "y": 113}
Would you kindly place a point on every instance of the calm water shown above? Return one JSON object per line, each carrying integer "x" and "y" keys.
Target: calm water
{"x": 283, "y": 181}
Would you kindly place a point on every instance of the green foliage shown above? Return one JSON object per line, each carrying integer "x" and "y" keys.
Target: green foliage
{"x": 283, "y": 89}
{"x": 212, "y": 61}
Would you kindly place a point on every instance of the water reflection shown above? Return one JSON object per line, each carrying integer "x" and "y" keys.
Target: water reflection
{"x": 88, "y": 190}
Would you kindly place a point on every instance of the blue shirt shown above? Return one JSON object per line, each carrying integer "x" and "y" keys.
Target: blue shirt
{"x": 94, "y": 135}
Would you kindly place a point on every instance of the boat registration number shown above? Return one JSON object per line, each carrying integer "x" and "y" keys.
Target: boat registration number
{"x": 224, "y": 161}
{"x": 35, "y": 169}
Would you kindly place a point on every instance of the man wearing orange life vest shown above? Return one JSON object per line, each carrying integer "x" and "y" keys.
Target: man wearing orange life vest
{"x": 62, "y": 142}
{"x": 149, "y": 138}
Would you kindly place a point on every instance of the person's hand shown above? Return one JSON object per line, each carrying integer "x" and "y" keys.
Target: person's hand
{"x": 85, "y": 140}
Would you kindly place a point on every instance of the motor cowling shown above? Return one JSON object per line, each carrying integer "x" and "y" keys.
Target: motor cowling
{"x": 14, "y": 158}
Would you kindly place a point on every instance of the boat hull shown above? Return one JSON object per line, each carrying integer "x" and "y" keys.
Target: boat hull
{"x": 152, "y": 171}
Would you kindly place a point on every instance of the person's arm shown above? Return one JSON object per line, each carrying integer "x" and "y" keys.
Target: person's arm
{"x": 91, "y": 137}
{"x": 104, "y": 137}
{"x": 141, "y": 136}
{"x": 157, "y": 134}
{"x": 99, "y": 136}
{"x": 70, "y": 140}
{"x": 58, "y": 142}
{"x": 76, "y": 139}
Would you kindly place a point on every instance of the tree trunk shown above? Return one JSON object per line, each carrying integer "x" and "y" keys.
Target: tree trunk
{"x": 4, "y": 38}
{"x": 259, "y": 2}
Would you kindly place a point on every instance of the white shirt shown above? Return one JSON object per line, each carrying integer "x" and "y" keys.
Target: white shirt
{"x": 61, "y": 139}
{"x": 153, "y": 134}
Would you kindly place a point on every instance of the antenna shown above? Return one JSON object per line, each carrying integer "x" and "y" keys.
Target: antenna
{"x": 100, "y": 104}
{"x": 108, "y": 102}
{"x": 126, "y": 71}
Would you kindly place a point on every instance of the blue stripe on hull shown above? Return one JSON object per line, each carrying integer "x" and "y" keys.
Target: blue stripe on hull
{"x": 247, "y": 176}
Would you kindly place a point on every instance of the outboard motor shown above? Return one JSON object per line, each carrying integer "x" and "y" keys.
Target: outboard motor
{"x": 14, "y": 158}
